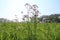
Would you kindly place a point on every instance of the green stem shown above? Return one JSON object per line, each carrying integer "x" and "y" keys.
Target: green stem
{"x": 35, "y": 26}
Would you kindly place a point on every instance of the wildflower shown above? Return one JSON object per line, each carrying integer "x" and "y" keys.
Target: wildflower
{"x": 21, "y": 11}
{"x": 25, "y": 16}
{"x": 16, "y": 18}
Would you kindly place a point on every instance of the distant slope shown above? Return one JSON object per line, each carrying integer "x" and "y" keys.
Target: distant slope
{"x": 4, "y": 20}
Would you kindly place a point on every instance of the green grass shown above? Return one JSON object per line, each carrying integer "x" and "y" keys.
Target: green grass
{"x": 44, "y": 31}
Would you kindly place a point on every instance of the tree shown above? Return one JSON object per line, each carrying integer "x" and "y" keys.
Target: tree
{"x": 4, "y": 20}
{"x": 53, "y": 18}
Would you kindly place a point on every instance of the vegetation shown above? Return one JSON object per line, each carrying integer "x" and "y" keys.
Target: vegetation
{"x": 44, "y": 31}
{"x": 4, "y": 20}
{"x": 31, "y": 29}
{"x": 53, "y": 18}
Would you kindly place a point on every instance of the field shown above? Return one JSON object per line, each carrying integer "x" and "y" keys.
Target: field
{"x": 24, "y": 31}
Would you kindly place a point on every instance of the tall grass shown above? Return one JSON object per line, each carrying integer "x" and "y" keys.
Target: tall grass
{"x": 44, "y": 31}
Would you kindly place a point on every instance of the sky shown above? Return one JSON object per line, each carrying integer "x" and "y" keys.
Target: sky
{"x": 10, "y": 8}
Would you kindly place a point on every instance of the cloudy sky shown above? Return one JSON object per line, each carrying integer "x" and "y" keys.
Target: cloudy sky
{"x": 9, "y": 8}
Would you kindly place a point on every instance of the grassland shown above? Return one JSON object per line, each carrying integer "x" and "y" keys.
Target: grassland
{"x": 19, "y": 31}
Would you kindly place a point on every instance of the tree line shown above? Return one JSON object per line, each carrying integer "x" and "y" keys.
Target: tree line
{"x": 53, "y": 18}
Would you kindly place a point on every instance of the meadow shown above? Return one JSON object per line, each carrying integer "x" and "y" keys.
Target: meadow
{"x": 24, "y": 31}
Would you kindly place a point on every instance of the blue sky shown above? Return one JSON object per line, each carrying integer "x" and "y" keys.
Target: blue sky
{"x": 8, "y": 8}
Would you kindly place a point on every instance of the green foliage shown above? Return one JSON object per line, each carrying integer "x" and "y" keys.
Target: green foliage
{"x": 53, "y": 18}
{"x": 44, "y": 31}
